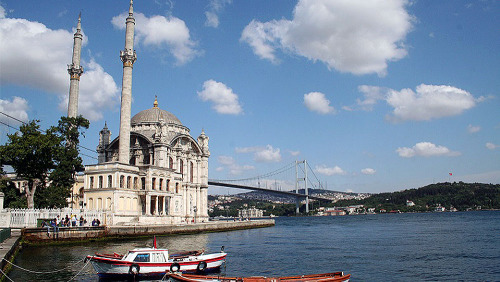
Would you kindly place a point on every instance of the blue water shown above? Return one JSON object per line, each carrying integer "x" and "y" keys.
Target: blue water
{"x": 461, "y": 246}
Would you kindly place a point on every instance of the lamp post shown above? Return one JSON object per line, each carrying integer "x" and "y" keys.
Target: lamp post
{"x": 195, "y": 209}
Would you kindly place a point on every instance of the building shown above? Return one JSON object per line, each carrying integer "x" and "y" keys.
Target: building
{"x": 154, "y": 172}
{"x": 251, "y": 212}
{"x": 167, "y": 175}
{"x": 409, "y": 203}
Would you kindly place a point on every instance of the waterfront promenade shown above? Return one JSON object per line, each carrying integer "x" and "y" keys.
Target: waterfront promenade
{"x": 103, "y": 232}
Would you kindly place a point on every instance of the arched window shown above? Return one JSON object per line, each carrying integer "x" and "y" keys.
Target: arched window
{"x": 170, "y": 162}
{"x": 91, "y": 204}
{"x": 191, "y": 172}
{"x": 168, "y": 185}
{"x": 129, "y": 179}
{"x": 181, "y": 167}
{"x": 100, "y": 181}
{"x": 177, "y": 188}
{"x": 143, "y": 183}
{"x": 110, "y": 181}
{"x": 161, "y": 184}
{"x": 122, "y": 179}
{"x": 136, "y": 183}
{"x": 153, "y": 185}
{"x": 91, "y": 180}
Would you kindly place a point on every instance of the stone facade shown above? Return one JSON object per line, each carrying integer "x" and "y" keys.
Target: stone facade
{"x": 166, "y": 180}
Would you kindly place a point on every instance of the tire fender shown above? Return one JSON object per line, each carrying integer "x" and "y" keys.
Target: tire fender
{"x": 175, "y": 267}
{"x": 202, "y": 266}
{"x": 134, "y": 269}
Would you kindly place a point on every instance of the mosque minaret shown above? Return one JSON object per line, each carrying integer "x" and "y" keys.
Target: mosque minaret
{"x": 75, "y": 70}
{"x": 154, "y": 171}
{"x": 128, "y": 57}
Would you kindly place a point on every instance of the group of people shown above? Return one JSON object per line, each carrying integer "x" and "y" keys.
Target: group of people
{"x": 68, "y": 221}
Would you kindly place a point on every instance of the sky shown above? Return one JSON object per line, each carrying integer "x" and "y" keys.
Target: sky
{"x": 377, "y": 96}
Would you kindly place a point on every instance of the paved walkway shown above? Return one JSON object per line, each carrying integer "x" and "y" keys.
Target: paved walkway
{"x": 7, "y": 246}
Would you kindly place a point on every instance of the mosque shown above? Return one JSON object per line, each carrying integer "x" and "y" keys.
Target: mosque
{"x": 154, "y": 172}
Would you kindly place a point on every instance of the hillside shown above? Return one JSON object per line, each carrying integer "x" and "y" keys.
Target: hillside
{"x": 462, "y": 196}
{"x": 273, "y": 197}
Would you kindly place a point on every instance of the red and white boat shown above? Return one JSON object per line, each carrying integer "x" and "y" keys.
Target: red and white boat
{"x": 154, "y": 262}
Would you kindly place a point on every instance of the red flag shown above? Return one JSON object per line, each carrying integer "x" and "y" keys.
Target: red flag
{"x": 154, "y": 242}
{"x": 451, "y": 174}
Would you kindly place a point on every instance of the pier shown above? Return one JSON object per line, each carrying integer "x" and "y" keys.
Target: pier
{"x": 78, "y": 233}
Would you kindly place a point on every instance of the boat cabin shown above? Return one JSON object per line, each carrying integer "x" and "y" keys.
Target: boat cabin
{"x": 147, "y": 255}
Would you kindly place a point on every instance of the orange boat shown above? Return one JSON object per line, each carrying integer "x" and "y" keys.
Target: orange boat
{"x": 323, "y": 277}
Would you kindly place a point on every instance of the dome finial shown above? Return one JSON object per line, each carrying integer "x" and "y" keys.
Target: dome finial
{"x": 155, "y": 104}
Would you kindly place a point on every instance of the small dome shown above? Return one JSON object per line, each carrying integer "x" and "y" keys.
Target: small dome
{"x": 154, "y": 115}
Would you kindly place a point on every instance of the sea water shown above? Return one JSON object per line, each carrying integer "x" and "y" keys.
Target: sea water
{"x": 459, "y": 246}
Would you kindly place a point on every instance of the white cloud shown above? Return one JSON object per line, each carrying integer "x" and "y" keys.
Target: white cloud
{"x": 214, "y": 7}
{"x": 491, "y": 146}
{"x": 357, "y": 36}
{"x": 262, "y": 154}
{"x": 336, "y": 170}
{"x": 212, "y": 19}
{"x": 224, "y": 100}
{"x": 429, "y": 102}
{"x": 15, "y": 108}
{"x": 38, "y": 58}
{"x": 368, "y": 171}
{"x": 426, "y": 149}
{"x": 372, "y": 94}
{"x": 294, "y": 153}
{"x": 232, "y": 166}
{"x": 162, "y": 32}
{"x": 267, "y": 155}
{"x": 473, "y": 129}
{"x": 317, "y": 102}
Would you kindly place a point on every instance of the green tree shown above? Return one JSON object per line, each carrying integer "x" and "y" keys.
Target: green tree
{"x": 13, "y": 198}
{"x": 40, "y": 156}
{"x": 68, "y": 163}
{"x": 30, "y": 153}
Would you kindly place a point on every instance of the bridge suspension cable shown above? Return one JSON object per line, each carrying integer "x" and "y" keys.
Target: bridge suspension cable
{"x": 269, "y": 174}
{"x": 320, "y": 186}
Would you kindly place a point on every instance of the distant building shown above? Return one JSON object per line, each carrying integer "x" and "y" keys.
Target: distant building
{"x": 409, "y": 203}
{"x": 333, "y": 212}
{"x": 252, "y": 212}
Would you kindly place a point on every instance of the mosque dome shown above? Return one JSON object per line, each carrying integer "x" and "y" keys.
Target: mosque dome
{"x": 154, "y": 115}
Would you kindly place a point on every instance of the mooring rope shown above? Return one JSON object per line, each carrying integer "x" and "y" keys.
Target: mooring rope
{"x": 80, "y": 271}
{"x": 5, "y": 275}
{"x": 43, "y": 272}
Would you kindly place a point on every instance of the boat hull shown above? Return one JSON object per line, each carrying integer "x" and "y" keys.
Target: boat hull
{"x": 323, "y": 277}
{"x": 116, "y": 268}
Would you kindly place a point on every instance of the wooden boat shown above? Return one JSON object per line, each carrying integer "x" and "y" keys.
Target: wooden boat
{"x": 154, "y": 263}
{"x": 322, "y": 277}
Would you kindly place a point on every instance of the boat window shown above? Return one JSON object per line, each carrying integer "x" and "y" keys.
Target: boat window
{"x": 157, "y": 257}
{"x": 142, "y": 258}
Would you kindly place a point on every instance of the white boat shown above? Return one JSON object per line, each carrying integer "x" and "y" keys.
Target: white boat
{"x": 154, "y": 263}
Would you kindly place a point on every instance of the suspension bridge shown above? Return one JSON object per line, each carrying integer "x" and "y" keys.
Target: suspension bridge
{"x": 301, "y": 180}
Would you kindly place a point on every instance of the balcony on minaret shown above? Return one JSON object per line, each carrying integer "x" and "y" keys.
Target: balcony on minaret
{"x": 128, "y": 57}
{"x": 75, "y": 71}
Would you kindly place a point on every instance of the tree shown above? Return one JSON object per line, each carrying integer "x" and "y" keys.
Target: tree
{"x": 68, "y": 163}
{"x": 30, "y": 153}
{"x": 13, "y": 198}
{"x": 40, "y": 156}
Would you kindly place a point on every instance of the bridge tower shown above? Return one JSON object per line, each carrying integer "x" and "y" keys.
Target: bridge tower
{"x": 297, "y": 184}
